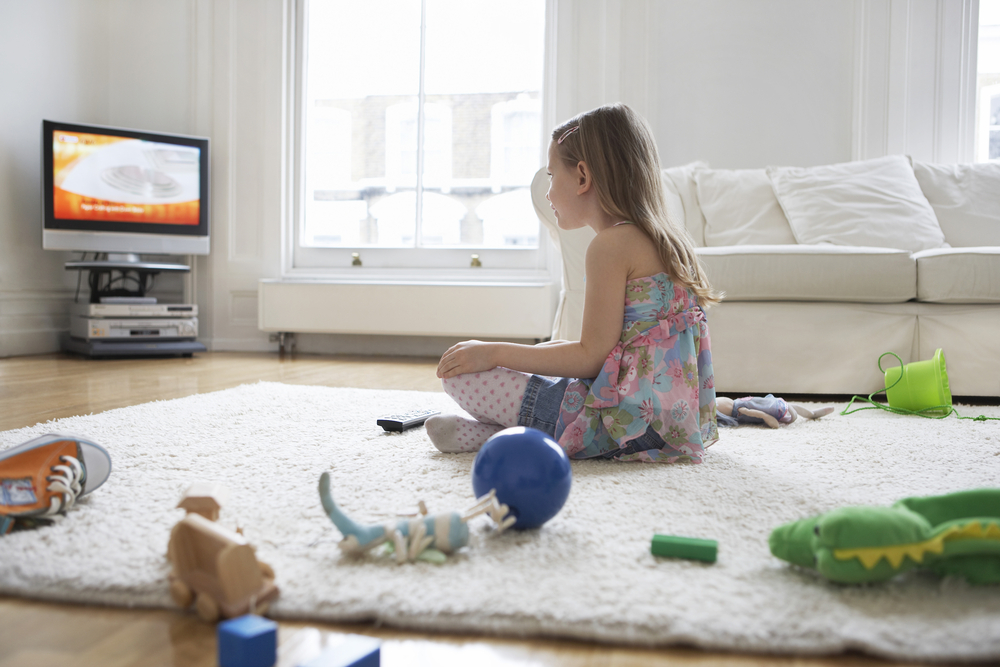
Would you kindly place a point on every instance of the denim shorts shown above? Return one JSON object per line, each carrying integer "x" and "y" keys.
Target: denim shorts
{"x": 542, "y": 401}
{"x": 540, "y": 409}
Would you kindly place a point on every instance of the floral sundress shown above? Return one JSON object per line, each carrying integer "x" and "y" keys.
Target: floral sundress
{"x": 654, "y": 399}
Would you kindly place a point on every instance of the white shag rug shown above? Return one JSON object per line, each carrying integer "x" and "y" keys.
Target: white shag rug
{"x": 586, "y": 574}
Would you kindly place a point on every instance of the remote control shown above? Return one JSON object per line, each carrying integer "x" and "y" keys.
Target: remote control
{"x": 406, "y": 420}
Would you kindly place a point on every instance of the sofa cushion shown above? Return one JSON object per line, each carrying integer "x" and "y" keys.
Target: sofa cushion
{"x": 875, "y": 203}
{"x": 965, "y": 199}
{"x": 811, "y": 273}
{"x": 682, "y": 179}
{"x": 740, "y": 208}
{"x": 959, "y": 275}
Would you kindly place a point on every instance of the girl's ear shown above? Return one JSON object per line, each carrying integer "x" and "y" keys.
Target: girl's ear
{"x": 584, "y": 178}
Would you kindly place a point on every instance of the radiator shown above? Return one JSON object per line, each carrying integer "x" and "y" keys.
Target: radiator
{"x": 502, "y": 310}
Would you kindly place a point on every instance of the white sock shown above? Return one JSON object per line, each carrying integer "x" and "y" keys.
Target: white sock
{"x": 453, "y": 434}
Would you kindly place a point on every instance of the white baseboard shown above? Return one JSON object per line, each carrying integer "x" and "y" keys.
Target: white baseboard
{"x": 31, "y": 321}
{"x": 255, "y": 344}
{"x": 23, "y": 343}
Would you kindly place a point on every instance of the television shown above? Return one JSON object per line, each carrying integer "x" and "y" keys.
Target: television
{"x": 122, "y": 192}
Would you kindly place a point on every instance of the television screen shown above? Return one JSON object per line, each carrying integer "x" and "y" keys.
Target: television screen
{"x": 123, "y": 187}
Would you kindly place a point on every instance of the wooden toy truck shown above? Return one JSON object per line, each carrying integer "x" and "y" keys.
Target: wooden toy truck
{"x": 217, "y": 569}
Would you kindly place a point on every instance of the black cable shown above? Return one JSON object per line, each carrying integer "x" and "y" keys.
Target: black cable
{"x": 93, "y": 280}
{"x": 123, "y": 277}
{"x": 79, "y": 279}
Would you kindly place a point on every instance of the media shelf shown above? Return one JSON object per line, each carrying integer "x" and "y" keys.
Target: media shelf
{"x": 122, "y": 321}
{"x": 160, "y": 348}
{"x": 101, "y": 279}
{"x": 125, "y": 265}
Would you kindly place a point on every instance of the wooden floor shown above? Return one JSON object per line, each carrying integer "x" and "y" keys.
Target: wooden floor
{"x": 40, "y": 388}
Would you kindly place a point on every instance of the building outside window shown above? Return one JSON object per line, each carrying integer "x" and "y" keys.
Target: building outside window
{"x": 988, "y": 83}
{"x": 422, "y": 130}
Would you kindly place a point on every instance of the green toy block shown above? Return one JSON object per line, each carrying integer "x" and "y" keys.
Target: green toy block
{"x": 692, "y": 548}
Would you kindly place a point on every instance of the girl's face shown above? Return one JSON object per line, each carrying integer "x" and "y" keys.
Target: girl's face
{"x": 562, "y": 194}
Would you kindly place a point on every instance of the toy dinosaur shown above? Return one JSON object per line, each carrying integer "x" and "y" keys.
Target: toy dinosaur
{"x": 425, "y": 537}
{"x": 762, "y": 410}
{"x": 953, "y": 534}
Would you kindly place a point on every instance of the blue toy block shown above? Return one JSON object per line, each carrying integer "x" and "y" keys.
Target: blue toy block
{"x": 248, "y": 641}
{"x": 354, "y": 651}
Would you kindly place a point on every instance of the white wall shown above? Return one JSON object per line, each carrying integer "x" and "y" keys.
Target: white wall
{"x": 53, "y": 64}
{"x": 750, "y": 84}
{"x": 88, "y": 61}
{"x": 739, "y": 83}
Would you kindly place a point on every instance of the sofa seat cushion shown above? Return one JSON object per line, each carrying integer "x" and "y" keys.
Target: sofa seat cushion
{"x": 959, "y": 275}
{"x": 821, "y": 272}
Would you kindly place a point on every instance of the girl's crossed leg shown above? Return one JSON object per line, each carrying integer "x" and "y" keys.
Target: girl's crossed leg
{"x": 493, "y": 397}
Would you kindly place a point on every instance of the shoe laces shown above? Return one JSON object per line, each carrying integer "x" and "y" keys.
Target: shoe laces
{"x": 66, "y": 484}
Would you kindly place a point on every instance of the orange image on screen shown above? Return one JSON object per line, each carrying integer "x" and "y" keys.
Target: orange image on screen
{"x": 71, "y": 206}
{"x": 119, "y": 179}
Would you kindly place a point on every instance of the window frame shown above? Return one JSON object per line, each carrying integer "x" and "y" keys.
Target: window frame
{"x": 984, "y": 131}
{"x": 434, "y": 265}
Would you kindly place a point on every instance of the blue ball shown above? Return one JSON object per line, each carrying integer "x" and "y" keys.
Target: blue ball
{"x": 529, "y": 471}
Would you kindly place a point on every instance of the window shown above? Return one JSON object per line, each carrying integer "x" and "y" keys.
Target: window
{"x": 421, "y": 129}
{"x": 988, "y": 83}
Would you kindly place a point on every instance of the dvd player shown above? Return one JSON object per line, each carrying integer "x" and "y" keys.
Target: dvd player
{"x": 135, "y": 329}
{"x": 174, "y": 310}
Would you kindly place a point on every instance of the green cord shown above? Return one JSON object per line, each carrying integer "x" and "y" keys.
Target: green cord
{"x": 946, "y": 409}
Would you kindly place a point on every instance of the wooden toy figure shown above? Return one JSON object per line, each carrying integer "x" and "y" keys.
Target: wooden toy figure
{"x": 215, "y": 567}
{"x": 204, "y": 498}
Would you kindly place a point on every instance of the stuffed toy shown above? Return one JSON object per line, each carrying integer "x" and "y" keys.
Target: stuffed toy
{"x": 954, "y": 534}
{"x": 424, "y": 537}
{"x": 762, "y": 410}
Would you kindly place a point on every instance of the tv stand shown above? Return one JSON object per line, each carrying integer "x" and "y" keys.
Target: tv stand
{"x": 124, "y": 331}
{"x": 157, "y": 348}
{"x": 101, "y": 270}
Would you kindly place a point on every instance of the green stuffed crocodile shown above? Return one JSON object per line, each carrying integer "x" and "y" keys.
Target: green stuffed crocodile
{"x": 954, "y": 534}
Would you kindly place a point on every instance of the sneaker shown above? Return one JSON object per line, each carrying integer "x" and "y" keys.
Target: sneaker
{"x": 46, "y": 475}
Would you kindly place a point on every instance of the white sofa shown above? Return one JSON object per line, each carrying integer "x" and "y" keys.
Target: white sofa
{"x": 826, "y": 268}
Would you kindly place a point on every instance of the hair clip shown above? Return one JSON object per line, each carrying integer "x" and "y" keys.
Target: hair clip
{"x": 567, "y": 133}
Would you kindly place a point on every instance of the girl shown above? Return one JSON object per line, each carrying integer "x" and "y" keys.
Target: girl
{"x": 648, "y": 392}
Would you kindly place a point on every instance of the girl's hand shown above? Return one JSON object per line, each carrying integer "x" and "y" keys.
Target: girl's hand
{"x": 471, "y": 356}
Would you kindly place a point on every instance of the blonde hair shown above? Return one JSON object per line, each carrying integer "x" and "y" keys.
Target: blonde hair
{"x": 618, "y": 147}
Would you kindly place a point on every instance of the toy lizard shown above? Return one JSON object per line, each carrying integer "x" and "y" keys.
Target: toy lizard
{"x": 425, "y": 537}
{"x": 762, "y": 410}
{"x": 954, "y": 534}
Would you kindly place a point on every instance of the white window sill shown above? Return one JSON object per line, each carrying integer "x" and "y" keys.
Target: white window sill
{"x": 361, "y": 275}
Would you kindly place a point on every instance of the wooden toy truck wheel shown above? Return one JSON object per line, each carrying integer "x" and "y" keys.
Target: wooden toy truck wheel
{"x": 181, "y": 593}
{"x": 206, "y": 607}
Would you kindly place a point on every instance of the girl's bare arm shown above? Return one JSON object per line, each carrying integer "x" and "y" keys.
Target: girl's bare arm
{"x": 604, "y": 306}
